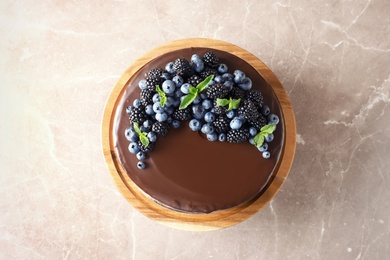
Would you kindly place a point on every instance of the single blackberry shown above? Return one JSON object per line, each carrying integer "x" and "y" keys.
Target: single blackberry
{"x": 160, "y": 128}
{"x": 138, "y": 115}
{"x": 146, "y": 96}
{"x": 237, "y": 136}
{"x": 258, "y": 122}
{"x": 194, "y": 80}
{"x": 154, "y": 77}
{"x": 183, "y": 68}
{"x": 221, "y": 124}
{"x": 210, "y": 59}
{"x": 256, "y": 97}
{"x": 182, "y": 114}
{"x": 219, "y": 110}
{"x": 247, "y": 110}
{"x": 237, "y": 93}
{"x": 216, "y": 91}
{"x": 145, "y": 149}
{"x": 207, "y": 71}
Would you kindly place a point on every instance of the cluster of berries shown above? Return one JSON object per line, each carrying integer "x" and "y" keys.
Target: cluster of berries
{"x": 220, "y": 104}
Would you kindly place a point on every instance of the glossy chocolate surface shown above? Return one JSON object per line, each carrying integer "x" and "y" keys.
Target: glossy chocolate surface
{"x": 185, "y": 171}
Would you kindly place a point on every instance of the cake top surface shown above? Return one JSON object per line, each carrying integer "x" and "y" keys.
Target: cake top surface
{"x": 187, "y": 172}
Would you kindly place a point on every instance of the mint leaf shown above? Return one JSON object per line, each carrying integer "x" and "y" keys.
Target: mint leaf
{"x": 258, "y": 139}
{"x": 221, "y": 102}
{"x": 203, "y": 85}
{"x": 187, "y": 100}
{"x": 136, "y": 128}
{"x": 144, "y": 139}
{"x": 163, "y": 96}
{"x": 268, "y": 129}
{"x": 193, "y": 90}
{"x": 230, "y": 107}
{"x": 236, "y": 103}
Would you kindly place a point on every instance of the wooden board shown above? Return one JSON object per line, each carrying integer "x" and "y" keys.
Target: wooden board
{"x": 214, "y": 220}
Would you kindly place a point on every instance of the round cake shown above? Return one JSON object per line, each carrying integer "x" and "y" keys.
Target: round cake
{"x": 189, "y": 170}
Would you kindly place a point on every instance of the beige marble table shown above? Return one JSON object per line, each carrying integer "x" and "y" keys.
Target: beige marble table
{"x": 59, "y": 61}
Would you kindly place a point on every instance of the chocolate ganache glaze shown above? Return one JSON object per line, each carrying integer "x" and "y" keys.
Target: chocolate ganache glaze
{"x": 185, "y": 171}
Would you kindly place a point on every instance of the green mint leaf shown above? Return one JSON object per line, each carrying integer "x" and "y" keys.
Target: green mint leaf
{"x": 221, "y": 102}
{"x": 230, "y": 107}
{"x": 163, "y": 96}
{"x": 258, "y": 140}
{"x": 203, "y": 85}
{"x": 268, "y": 129}
{"x": 193, "y": 90}
{"x": 187, "y": 100}
{"x": 136, "y": 128}
{"x": 236, "y": 103}
{"x": 144, "y": 139}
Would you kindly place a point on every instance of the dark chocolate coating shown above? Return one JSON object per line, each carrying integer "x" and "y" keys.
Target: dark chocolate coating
{"x": 185, "y": 171}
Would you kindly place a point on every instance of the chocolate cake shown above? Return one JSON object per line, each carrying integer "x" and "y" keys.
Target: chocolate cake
{"x": 185, "y": 171}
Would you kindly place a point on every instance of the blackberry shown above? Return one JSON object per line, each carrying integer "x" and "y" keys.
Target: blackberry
{"x": 182, "y": 114}
{"x": 207, "y": 71}
{"x": 216, "y": 91}
{"x": 258, "y": 122}
{"x": 247, "y": 110}
{"x": 210, "y": 59}
{"x": 183, "y": 68}
{"x": 138, "y": 115}
{"x": 155, "y": 73}
{"x": 221, "y": 124}
{"x": 237, "y": 136}
{"x": 154, "y": 77}
{"x": 146, "y": 96}
{"x": 256, "y": 97}
{"x": 219, "y": 110}
{"x": 237, "y": 93}
{"x": 145, "y": 149}
{"x": 160, "y": 128}
{"x": 194, "y": 80}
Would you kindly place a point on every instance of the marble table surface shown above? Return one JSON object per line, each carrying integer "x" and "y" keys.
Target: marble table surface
{"x": 59, "y": 61}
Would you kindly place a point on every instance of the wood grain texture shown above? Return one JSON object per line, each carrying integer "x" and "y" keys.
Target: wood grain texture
{"x": 214, "y": 220}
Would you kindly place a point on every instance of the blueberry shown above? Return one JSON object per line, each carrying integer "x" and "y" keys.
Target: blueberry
{"x": 195, "y": 125}
{"x": 157, "y": 108}
{"x": 207, "y": 129}
{"x": 197, "y": 63}
{"x": 141, "y": 165}
{"x": 175, "y": 123}
{"x": 144, "y": 129}
{"x": 269, "y": 138}
{"x": 198, "y": 111}
{"x": 206, "y": 104}
{"x": 222, "y": 137}
{"x": 263, "y": 147}
{"x": 148, "y": 124}
{"x": 168, "y": 86}
{"x": 169, "y": 120}
{"x": 251, "y": 141}
{"x": 129, "y": 109}
{"x": 222, "y": 68}
{"x": 152, "y": 137}
{"x": 209, "y": 117}
{"x": 166, "y": 76}
{"x": 252, "y": 131}
{"x": 137, "y": 103}
{"x": 228, "y": 84}
{"x": 133, "y": 148}
{"x": 169, "y": 67}
{"x": 176, "y": 103}
{"x": 178, "y": 93}
{"x": 169, "y": 110}
{"x": 156, "y": 98}
{"x": 141, "y": 155}
{"x": 203, "y": 96}
{"x": 142, "y": 84}
{"x": 236, "y": 123}
{"x": 266, "y": 154}
{"x": 265, "y": 110}
{"x": 197, "y": 100}
{"x": 161, "y": 117}
{"x": 273, "y": 119}
{"x": 239, "y": 76}
{"x": 185, "y": 88}
{"x": 169, "y": 102}
{"x": 178, "y": 80}
{"x": 212, "y": 137}
{"x": 149, "y": 110}
{"x": 218, "y": 79}
{"x": 228, "y": 77}
{"x": 246, "y": 84}
{"x": 130, "y": 135}
{"x": 230, "y": 114}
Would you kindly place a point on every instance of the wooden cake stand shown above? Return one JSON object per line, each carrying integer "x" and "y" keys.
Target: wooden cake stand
{"x": 217, "y": 219}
